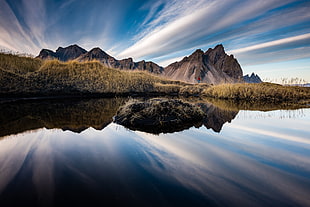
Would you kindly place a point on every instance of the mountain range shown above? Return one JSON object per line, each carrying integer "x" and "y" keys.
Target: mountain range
{"x": 213, "y": 66}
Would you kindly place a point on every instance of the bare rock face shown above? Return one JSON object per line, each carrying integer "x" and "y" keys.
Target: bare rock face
{"x": 252, "y": 79}
{"x": 213, "y": 66}
{"x": 69, "y": 53}
{"x": 127, "y": 64}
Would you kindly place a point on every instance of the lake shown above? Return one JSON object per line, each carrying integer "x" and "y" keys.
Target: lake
{"x": 69, "y": 153}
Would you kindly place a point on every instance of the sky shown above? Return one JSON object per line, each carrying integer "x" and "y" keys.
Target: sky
{"x": 268, "y": 37}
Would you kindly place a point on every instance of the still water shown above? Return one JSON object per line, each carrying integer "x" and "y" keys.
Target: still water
{"x": 70, "y": 153}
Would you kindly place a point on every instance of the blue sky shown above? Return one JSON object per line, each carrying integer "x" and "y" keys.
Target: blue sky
{"x": 269, "y": 37}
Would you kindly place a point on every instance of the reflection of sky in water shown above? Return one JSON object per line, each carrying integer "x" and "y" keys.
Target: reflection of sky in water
{"x": 260, "y": 159}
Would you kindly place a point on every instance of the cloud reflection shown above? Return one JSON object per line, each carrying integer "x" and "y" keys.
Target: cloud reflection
{"x": 237, "y": 167}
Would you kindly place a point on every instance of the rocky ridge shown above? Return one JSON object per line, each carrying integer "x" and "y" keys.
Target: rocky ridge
{"x": 213, "y": 66}
{"x": 74, "y": 52}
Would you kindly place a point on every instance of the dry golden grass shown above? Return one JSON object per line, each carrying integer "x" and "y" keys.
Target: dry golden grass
{"x": 19, "y": 65}
{"x": 54, "y": 77}
{"x": 254, "y": 91}
{"x": 95, "y": 77}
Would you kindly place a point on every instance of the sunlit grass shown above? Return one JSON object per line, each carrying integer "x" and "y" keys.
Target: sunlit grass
{"x": 19, "y": 65}
{"x": 261, "y": 91}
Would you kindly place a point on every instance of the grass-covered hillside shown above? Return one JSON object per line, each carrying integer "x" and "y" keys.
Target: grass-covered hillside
{"x": 28, "y": 76}
{"x": 24, "y": 76}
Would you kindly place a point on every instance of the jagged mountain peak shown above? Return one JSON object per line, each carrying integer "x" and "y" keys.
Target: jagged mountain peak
{"x": 198, "y": 51}
{"x": 219, "y": 49}
{"x": 213, "y": 66}
{"x": 46, "y": 54}
{"x": 71, "y": 48}
{"x": 75, "y": 52}
{"x": 253, "y": 78}
{"x": 64, "y": 54}
{"x": 97, "y": 53}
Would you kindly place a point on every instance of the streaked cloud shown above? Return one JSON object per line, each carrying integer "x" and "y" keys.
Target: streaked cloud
{"x": 196, "y": 26}
{"x": 272, "y": 43}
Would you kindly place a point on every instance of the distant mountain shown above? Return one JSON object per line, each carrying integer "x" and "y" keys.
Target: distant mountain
{"x": 64, "y": 54}
{"x": 213, "y": 66}
{"x": 74, "y": 52}
{"x": 252, "y": 79}
{"x": 98, "y": 54}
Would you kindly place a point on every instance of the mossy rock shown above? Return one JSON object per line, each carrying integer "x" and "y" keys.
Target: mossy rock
{"x": 159, "y": 115}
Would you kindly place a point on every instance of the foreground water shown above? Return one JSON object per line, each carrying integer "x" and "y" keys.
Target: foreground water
{"x": 69, "y": 153}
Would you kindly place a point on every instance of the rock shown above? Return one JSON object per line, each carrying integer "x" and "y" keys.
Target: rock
{"x": 69, "y": 53}
{"x": 252, "y": 79}
{"x": 159, "y": 115}
{"x": 213, "y": 66}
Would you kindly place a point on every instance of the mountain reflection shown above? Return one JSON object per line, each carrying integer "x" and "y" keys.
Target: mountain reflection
{"x": 70, "y": 114}
{"x": 77, "y": 115}
{"x": 216, "y": 117}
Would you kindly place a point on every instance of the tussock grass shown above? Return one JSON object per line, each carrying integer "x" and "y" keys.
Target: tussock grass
{"x": 96, "y": 78}
{"x": 262, "y": 91}
{"x": 193, "y": 90}
{"x": 54, "y": 77}
{"x": 19, "y": 65}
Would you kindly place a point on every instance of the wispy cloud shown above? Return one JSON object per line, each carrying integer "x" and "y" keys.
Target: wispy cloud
{"x": 196, "y": 25}
{"x": 14, "y": 35}
{"x": 272, "y": 43}
{"x": 166, "y": 62}
{"x": 262, "y": 57}
{"x": 30, "y": 25}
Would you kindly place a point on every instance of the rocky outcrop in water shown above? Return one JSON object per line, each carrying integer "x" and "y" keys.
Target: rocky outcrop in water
{"x": 252, "y": 79}
{"x": 213, "y": 66}
{"x": 159, "y": 115}
{"x": 169, "y": 115}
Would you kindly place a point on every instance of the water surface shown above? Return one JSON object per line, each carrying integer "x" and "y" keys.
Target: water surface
{"x": 59, "y": 153}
